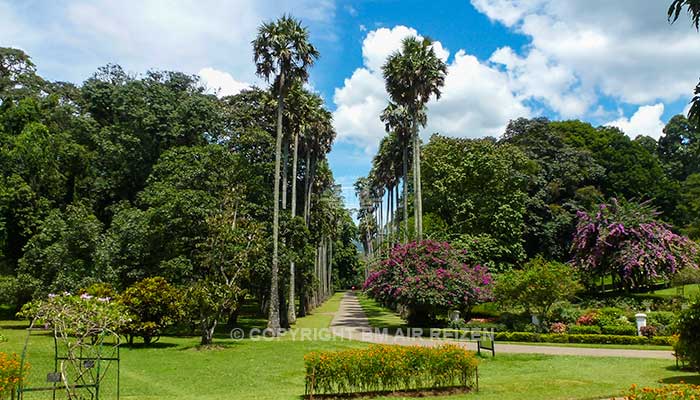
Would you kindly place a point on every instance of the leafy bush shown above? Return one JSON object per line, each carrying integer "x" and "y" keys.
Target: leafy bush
{"x": 537, "y": 287}
{"x": 689, "y": 334}
{"x": 585, "y": 330}
{"x": 588, "y": 319}
{"x": 665, "y": 392}
{"x": 565, "y": 312}
{"x": 621, "y": 330}
{"x": 608, "y": 316}
{"x": 153, "y": 304}
{"x": 428, "y": 278}
{"x": 2, "y": 338}
{"x": 648, "y": 331}
{"x": 661, "y": 318}
{"x": 12, "y": 374}
{"x": 384, "y": 367}
{"x": 99, "y": 290}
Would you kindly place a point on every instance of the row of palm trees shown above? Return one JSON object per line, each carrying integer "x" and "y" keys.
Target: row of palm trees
{"x": 283, "y": 55}
{"x": 413, "y": 75}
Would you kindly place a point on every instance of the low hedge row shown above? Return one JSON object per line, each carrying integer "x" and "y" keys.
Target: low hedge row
{"x": 575, "y": 338}
{"x": 389, "y": 368}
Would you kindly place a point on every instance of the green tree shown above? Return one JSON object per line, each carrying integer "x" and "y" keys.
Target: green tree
{"x": 153, "y": 304}
{"x": 479, "y": 189}
{"x": 674, "y": 11}
{"x": 281, "y": 49}
{"x": 537, "y": 287}
{"x": 413, "y": 75}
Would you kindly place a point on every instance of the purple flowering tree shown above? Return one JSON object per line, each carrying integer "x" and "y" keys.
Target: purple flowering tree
{"x": 428, "y": 279}
{"x": 625, "y": 240}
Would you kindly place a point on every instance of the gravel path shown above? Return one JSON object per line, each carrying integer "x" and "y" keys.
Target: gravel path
{"x": 350, "y": 322}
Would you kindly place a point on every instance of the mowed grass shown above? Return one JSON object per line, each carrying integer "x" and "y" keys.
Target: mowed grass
{"x": 177, "y": 368}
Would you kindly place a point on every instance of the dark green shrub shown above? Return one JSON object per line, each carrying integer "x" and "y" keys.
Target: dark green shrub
{"x": 689, "y": 334}
{"x": 153, "y": 304}
{"x": 384, "y": 367}
{"x": 659, "y": 318}
{"x": 584, "y": 330}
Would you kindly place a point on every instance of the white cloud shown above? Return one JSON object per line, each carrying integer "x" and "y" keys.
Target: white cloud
{"x": 476, "y": 99}
{"x": 645, "y": 121}
{"x": 624, "y": 49}
{"x": 221, "y": 83}
{"x": 69, "y": 40}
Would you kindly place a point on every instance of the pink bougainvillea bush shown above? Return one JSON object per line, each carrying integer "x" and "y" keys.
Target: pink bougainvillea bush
{"x": 625, "y": 240}
{"x": 428, "y": 279}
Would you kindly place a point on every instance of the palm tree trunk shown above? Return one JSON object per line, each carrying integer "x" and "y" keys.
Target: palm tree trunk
{"x": 285, "y": 161}
{"x": 330, "y": 266}
{"x": 418, "y": 199}
{"x": 405, "y": 194}
{"x": 273, "y": 322}
{"x": 291, "y": 309}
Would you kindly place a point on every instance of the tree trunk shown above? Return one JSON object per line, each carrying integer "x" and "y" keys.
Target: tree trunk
{"x": 273, "y": 323}
{"x": 405, "y": 194}
{"x": 418, "y": 200}
{"x": 208, "y": 332}
{"x": 330, "y": 266}
{"x": 285, "y": 162}
{"x": 291, "y": 307}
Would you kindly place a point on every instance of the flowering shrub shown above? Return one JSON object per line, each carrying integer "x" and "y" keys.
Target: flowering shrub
{"x": 82, "y": 316}
{"x": 588, "y": 319}
{"x": 12, "y": 374}
{"x": 557, "y": 327}
{"x": 428, "y": 278}
{"x": 384, "y": 367}
{"x": 666, "y": 392}
{"x": 625, "y": 240}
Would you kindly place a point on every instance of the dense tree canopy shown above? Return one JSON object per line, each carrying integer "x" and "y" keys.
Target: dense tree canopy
{"x": 128, "y": 177}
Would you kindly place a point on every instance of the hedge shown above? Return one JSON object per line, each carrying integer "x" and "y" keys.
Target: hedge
{"x": 584, "y": 330}
{"x": 622, "y": 330}
{"x": 575, "y": 338}
{"x": 390, "y": 368}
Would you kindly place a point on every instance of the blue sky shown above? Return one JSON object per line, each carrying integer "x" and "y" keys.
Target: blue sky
{"x": 617, "y": 63}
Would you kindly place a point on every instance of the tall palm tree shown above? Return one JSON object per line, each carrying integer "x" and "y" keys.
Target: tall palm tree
{"x": 281, "y": 50}
{"x": 397, "y": 121}
{"x": 413, "y": 75}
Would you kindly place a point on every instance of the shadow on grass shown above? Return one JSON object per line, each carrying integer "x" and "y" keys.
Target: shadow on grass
{"x": 212, "y": 347}
{"x": 691, "y": 379}
{"x": 156, "y": 345}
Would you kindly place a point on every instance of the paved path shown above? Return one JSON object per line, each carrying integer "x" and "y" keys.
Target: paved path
{"x": 350, "y": 322}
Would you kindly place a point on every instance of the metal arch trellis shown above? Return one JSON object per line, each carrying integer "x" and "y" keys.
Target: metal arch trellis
{"x": 80, "y": 368}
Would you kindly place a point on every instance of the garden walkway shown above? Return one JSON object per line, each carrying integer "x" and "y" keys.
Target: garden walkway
{"x": 350, "y": 322}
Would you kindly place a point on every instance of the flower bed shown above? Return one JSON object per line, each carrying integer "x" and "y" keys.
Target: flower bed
{"x": 390, "y": 368}
{"x": 11, "y": 374}
{"x": 666, "y": 392}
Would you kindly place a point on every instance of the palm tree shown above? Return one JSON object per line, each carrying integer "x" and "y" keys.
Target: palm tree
{"x": 397, "y": 121}
{"x": 281, "y": 49}
{"x": 412, "y": 75}
{"x": 674, "y": 12}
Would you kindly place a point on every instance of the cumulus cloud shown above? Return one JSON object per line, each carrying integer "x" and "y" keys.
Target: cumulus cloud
{"x": 645, "y": 121}
{"x": 476, "y": 99}
{"x": 221, "y": 83}
{"x": 77, "y": 37}
{"x": 624, "y": 49}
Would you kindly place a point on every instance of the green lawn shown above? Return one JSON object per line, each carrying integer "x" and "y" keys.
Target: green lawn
{"x": 379, "y": 316}
{"x": 176, "y": 368}
{"x": 690, "y": 291}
